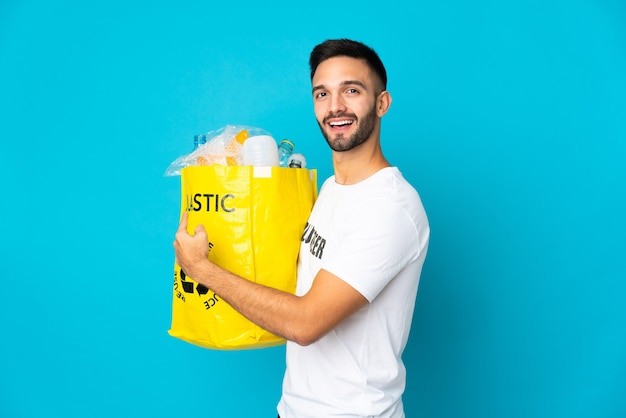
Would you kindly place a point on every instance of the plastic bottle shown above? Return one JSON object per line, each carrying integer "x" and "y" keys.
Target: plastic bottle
{"x": 198, "y": 140}
{"x": 285, "y": 148}
{"x": 260, "y": 151}
{"x": 297, "y": 161}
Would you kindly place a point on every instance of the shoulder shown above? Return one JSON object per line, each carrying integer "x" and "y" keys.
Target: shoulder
{"x": 389, "y": 187}
{"x": 394, "y": 201}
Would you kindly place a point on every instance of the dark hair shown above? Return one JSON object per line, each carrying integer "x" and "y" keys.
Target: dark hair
{"x": 347, "y": 48}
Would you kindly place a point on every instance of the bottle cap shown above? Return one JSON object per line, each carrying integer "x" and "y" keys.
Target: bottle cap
{"x": 297, "y": 161}
{"x": 288, "y": 142}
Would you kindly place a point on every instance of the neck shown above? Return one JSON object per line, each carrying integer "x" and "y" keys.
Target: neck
{"x": 356, "y": 165}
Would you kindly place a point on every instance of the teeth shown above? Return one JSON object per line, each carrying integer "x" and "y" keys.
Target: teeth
{"x": 341, "y": 123}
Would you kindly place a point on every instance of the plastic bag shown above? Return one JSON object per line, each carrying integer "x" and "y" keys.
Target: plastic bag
{"x": 245, "y": 209}
{"x": 223, "y": 147}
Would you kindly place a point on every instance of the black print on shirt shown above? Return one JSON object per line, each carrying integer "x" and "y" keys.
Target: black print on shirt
{"x": 315, "y": 241}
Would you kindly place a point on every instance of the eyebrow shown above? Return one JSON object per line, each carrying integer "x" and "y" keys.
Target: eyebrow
{"x": 343, "y": 84}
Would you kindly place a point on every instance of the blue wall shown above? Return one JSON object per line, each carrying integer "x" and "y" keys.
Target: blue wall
{"x": 508, "y": 117}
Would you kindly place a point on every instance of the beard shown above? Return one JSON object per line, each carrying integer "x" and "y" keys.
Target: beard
{"x": 365, "y": 127}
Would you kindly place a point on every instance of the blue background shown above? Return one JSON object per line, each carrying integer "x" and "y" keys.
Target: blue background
{"x": 508, "y": 117}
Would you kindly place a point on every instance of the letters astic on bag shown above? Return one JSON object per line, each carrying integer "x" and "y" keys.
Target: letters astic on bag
{"x": 195, "y": 202}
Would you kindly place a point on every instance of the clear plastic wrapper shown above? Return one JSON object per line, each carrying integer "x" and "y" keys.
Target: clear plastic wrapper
{"x": 223, "y": 147}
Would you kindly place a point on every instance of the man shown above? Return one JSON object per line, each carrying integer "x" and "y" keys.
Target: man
{"x": 349, "y": 321}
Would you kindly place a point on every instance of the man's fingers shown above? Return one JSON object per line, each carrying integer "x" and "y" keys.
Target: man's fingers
{"x": 183, "y": 222}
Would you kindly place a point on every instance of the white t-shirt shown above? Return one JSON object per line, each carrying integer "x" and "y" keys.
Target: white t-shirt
{"x": 374, "y": 236}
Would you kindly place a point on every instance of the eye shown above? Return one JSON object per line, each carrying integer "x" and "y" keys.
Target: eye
{"x": 352, "y": 91}
{"x": 320, "y": 95}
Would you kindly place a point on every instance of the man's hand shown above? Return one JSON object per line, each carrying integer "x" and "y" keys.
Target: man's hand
{"x": 191, "y": 250}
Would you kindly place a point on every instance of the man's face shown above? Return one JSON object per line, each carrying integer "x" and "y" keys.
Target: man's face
{"x": 344, "y": 100}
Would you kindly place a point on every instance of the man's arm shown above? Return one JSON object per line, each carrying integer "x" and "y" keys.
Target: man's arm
{"x": 302, "y": 319}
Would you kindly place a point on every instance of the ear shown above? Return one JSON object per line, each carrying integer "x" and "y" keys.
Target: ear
{"x": 382, "y": 103}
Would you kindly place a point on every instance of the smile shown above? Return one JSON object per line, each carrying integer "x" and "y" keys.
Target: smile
{"x": 342, "y": 122}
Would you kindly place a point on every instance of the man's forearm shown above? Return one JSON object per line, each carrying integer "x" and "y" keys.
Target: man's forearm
{"x": 277, "y": 311}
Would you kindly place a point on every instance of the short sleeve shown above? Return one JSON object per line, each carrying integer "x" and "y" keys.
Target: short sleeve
{"x": 378, "y": 241}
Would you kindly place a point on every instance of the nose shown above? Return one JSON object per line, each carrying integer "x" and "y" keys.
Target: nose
{"x": 337, "y": 104}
